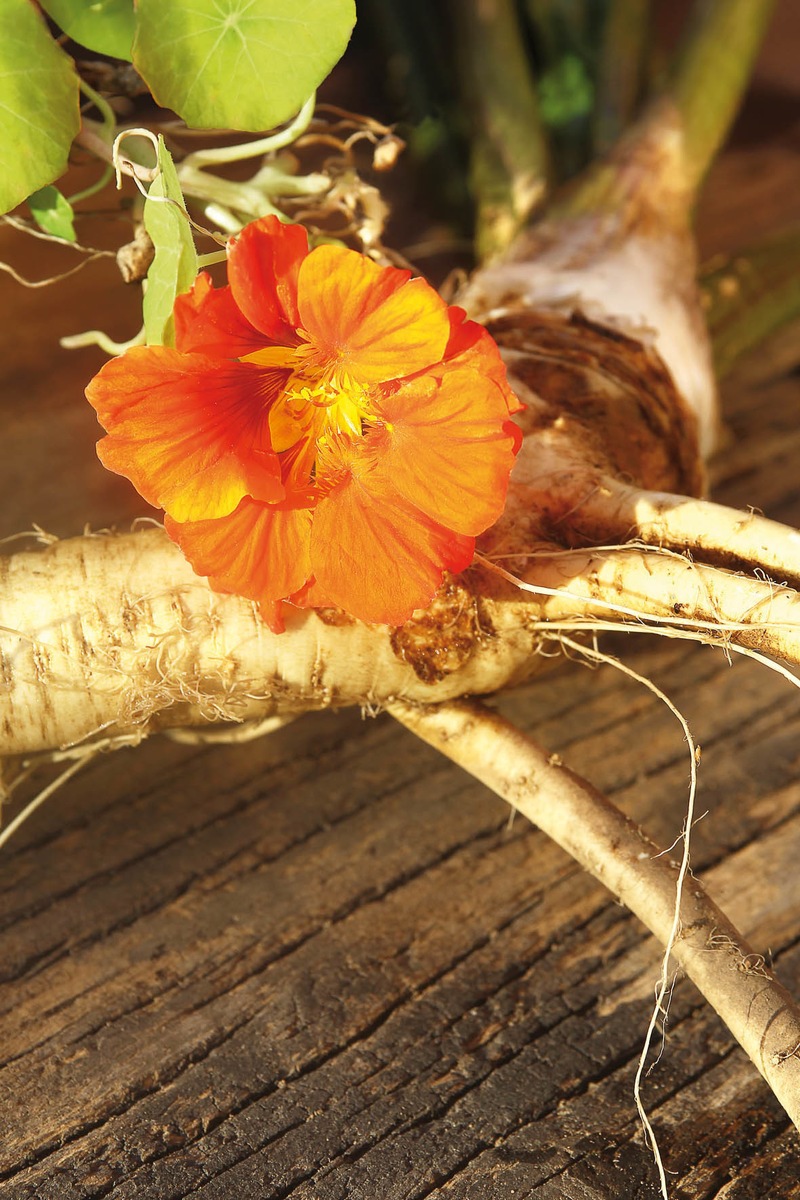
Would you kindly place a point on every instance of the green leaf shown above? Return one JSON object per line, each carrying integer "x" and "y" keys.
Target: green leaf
{"x": 53, "y": 213}
{"x": 39, "y": 114}
{"x": 174, "y": 267}
{"x": 105, "y": 26}
{"x": 238, "y": 64}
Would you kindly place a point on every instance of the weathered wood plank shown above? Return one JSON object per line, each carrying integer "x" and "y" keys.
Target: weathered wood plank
{"x": 411, "y": 993}
{"x": 325, "y": 965}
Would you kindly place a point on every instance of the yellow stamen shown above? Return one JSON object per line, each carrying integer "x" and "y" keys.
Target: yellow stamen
{"x": 317, "y": 400}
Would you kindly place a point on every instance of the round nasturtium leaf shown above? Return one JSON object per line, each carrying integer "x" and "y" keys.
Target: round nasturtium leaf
{"x": 238, "y": 64}
{"x": 39, "y": 114}
{"x": 105, "y": 26}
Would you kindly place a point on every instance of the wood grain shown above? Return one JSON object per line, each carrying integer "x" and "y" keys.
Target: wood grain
{"x": 325, "y": 964}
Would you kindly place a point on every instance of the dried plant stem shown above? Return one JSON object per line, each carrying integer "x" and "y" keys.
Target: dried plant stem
{"x": 757, "y": 1009}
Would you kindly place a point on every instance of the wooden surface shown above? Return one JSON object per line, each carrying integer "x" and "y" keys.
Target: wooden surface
{"x": 325, "y": 964}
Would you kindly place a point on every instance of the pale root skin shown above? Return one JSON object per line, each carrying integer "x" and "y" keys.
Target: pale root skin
{"x": 114, "y": 636}
{"x": 726, "y": 608}
{"x": 710, "y": 532}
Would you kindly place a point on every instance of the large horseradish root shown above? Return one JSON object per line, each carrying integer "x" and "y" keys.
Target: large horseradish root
{"x": 114, "y": 637}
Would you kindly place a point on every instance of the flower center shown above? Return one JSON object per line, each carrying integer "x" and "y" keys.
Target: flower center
{"x": 319, "y": 400}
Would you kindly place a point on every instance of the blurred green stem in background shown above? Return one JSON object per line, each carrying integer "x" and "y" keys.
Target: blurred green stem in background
{"x": 621, "y": 70}
{"x": 509, "y": 161}
{"x": 710, "y": 74}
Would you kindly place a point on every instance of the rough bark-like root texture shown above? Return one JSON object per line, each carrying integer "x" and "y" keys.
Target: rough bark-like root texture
{"x": 116, "y": 635}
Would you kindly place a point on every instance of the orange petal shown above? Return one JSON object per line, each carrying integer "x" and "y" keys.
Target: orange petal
{"x": 376, "y": 556}
{"x": 208, "y": 320}
{"x": 260, "y": 551}
{"x": 470, "y": 345}
{"x": 375, "y": 323}
{"x": 263, "y": 263}
{"x": 448, "y": 447}
{"x": 189, "y": 432}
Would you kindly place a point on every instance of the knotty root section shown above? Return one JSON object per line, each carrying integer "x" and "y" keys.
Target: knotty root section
{"x": 733, "y": 978}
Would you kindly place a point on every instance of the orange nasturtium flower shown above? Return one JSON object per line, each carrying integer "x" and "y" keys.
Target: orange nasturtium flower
{"x": 326, "y": 431}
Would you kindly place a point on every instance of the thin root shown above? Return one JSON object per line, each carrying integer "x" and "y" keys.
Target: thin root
{"x": 757, "y": 1009}
{"x": 246, "y": 731}
{"x": 664, "y": 986}
{"x": 662, "y": 592}
{"x": 711, "y": 532}
{"x": 39, "y": 799}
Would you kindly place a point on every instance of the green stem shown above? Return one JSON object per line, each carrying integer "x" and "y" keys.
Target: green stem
{"x": 240, "y": 196}
{"x": 220, "y": 155}
{"x": 510, "y": 158}
{"x": 620, "y": 73}
{"x": 711, "y": 72}
{"x": 107, "y": 116}
{"x": 102, "y": 135}
{"x": 219, "y": 215}
{"x": 208, "y": 260}
{"x": 752, "y": 295}
{"x": 96, "y": 337}
{"x": 654, "y": 171}
{"x": 105, "y": 175}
